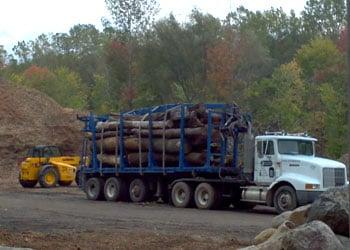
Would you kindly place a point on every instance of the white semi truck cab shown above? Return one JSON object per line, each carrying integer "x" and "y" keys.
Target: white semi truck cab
{"x": 287, "y": 173}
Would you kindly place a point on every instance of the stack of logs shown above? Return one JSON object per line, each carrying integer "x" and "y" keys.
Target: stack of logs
{"x": 165, "y": 131}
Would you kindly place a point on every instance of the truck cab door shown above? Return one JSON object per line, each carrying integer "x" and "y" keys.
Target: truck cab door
{"x": 265, "y": 162}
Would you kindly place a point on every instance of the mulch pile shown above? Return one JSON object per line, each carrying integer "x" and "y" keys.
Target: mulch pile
{"x": 28, "y": 118}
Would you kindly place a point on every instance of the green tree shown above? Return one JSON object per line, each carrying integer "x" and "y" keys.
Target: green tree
{"x": 22, "y": 51}
{"x": 3, "y": 56}
{"x": 318, "y": 56}
{"x": 131, "y": 18}
{"x": 279, "y": 32}
{"x": 335, "y": 128}
{"x": 61, "y": 84}
{"x": 277, "y": 102}
{"x": 323, "y": 68}
{"x": 324, "y": 17}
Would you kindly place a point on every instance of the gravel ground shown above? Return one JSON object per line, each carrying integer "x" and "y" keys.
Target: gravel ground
{"x": 63, "y": 218}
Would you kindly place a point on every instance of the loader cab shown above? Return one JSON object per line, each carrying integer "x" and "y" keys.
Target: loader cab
{"x": 44, "y": 152}
{"x": 276, "y": 149}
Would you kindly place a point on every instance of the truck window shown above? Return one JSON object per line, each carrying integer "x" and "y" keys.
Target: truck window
{"x": 295, "y": 147}
{"x": 268, "y": 146}
{"x": 265, "y": 148}
{"x": 259, "y": 149}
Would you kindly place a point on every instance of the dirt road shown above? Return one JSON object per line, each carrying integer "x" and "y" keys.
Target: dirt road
{"x": 64, "y": 212}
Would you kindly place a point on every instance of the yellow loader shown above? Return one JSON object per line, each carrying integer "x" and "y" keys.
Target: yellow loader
{"x": 46, "y": 165}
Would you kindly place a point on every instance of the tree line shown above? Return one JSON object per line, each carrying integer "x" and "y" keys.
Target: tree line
{"x": 287, "y": 70}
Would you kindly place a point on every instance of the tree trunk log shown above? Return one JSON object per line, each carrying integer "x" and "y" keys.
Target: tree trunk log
{"x": 196, "y": 158}
{"x": 107, "y": 159}
{"x": 171, "y": 132}
{"x": 133, "y": 144}
{"x": 108, "y": 126}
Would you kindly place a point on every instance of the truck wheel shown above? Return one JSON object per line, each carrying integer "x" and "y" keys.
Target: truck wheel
{"x": 94, "y": 188}
{"x": 65, "y": 183}
{"x": 138, "y": 190}
{"x": 26, "y": 184}
{"x": 181, "y": 194}
{"x": 205, "y": 196}
{"x": 115, "y": 189}
{"x": 284, "y": 199}
{"x": 48, "y": 177}
{"x": 78, "y": 177}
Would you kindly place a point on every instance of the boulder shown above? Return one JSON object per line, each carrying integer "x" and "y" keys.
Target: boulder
{"x": 279, "y": 219}
{"x": 299, "y": 215}
{"x": 313, "y": 235}
{"x": 264, "y": 236}
{"x": 332, "y": 207}
{"x": 274, "y": 242}
{"x": 345, "y": 241}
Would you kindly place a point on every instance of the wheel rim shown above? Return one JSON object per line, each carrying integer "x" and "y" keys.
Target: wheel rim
{"x": 180, "y": 195}
{"x": 285, "y": 200}
{"x": 203, "y": 197}
{"x": 50, "y": 178}
{"x": 111, "y": 189}
{"x": 136, "y": 191}
{"x": 92, "y": 189}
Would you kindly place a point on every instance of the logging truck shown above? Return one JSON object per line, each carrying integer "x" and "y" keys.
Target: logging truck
{"x": 201, "y": 155}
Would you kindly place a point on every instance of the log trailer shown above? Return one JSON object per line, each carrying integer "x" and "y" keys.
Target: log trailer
{"x": 229, "y": 165}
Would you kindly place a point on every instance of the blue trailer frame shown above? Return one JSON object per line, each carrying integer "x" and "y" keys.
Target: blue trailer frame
{"x": 97, "y": 168}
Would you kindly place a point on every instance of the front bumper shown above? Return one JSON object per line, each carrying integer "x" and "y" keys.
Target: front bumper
{"x": 305, "y": 197}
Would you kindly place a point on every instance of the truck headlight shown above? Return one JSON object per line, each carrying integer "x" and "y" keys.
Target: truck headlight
{"x": 310, "y": 186}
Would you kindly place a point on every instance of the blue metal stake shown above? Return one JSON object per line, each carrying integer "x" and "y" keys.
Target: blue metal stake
{"x": 182, "y": 138}
{"x": 235, "y": 149}
{"x": 207, "y": 164}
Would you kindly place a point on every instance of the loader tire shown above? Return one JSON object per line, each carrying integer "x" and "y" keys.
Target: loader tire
{"x": 48, "y": 177}
{"x": 94, "y": 188}
{"x": 78, "y": 178}
{"x": 65, "y": 183}
{"x": 26, "y": 184}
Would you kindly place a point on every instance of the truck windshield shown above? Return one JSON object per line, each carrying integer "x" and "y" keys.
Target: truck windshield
{"x": 295, "y": 147}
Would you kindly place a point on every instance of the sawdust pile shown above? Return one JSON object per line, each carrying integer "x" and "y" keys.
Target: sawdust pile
{"x": 28, "y": 118}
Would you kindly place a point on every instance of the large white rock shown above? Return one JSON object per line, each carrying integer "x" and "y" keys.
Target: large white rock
{"x": 298, "y": 216}
{"x": 279, "y": 219}
{"x": 313, "y": 235}
{"x": 332, "y": 207}
{"x": 264, "y": 236}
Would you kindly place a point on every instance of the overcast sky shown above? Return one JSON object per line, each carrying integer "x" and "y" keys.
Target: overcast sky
{"x": 25, "y": 20}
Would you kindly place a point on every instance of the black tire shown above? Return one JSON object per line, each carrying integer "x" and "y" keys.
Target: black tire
{"x": 285, "y": 199}
{"x": 94, "y": 188}
{"x": 65, "y": 183}
{"x": 138, "y": 190}
{"x": 115, "y": 189}
{"x": 26, "y": 184}
{"x": 205, "y": 196}
{"x": 181, "y": 195}
{"x": 78, "y": 177}
{"x": 45, "y": 172}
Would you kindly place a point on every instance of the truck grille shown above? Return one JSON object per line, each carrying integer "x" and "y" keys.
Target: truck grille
{"x": 333, "y": 177}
